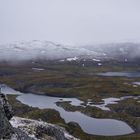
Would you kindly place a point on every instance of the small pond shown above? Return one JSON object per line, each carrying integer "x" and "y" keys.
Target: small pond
{"x": 136, "y": 83}
{"x": 120, "y": 74}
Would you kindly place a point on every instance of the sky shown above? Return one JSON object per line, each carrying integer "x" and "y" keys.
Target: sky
{"x": 73, "y": 22}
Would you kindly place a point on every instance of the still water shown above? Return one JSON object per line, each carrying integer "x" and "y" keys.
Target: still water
{"x": 104, "y": 127}
{"x": 120, "y": 74}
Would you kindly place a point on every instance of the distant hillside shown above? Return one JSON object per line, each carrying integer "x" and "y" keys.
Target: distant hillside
{"x": 45, "y": 50}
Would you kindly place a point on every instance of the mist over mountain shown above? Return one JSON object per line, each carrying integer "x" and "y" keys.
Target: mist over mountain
{"x": 118, "y": 50}
{"x": 45, "y": 50}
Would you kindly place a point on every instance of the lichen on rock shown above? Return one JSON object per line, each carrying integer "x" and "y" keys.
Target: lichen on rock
{"x": 41, "y": 130}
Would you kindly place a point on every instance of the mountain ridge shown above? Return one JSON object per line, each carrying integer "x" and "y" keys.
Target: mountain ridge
{"x": 46, "y": 50}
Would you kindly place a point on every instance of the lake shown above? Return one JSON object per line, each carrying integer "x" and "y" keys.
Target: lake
{"x": 104, "y": 127}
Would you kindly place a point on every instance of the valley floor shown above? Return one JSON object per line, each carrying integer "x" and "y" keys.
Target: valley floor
{"x": 83, "y": 83}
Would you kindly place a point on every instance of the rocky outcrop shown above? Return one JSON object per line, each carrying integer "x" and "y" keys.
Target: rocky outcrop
{"x": 5, "y": 115}
{"x": 16, "y": 128}
{"x": 39, "y": 130}
{"x": 6, "y": 107}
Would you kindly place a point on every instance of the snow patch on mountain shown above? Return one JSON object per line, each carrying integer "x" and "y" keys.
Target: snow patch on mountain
{"x": 72, "y": 59}
{"x": 96, "y": 60}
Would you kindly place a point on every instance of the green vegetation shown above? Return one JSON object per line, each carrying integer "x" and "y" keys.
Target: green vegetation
{"x": 72, "y": 80}
{"x": 69, "y": 80}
